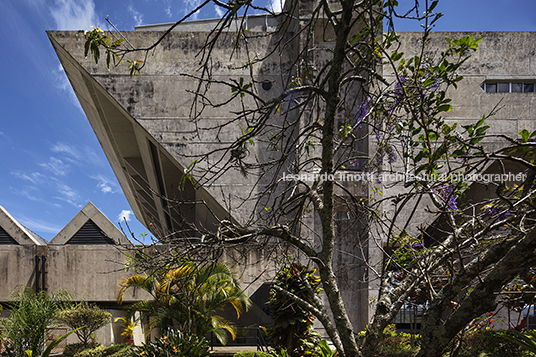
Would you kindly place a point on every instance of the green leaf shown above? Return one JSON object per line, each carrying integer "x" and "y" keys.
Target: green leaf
{"x": 396, "y": 56}
{"x": 444, "y": 108}
{"x": 525, "y": 135}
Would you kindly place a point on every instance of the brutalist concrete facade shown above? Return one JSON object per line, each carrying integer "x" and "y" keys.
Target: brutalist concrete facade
{"x": 85, "y": 259}
{"x": 144, "y": 124}
{"x": 505, "y": 58}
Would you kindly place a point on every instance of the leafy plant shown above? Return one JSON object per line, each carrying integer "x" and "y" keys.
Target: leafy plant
{"x": 46, "y": 352}
{"x": 73, "y": 348}
{"x": 252, "y": 354}
{"x": 128, "y": 327}
{"x": 85, "y": 318}
{"x": 527, "y": 339}
{"x": 324, "y": 350}
{"x": 176, "y": 344}
{"x": 32, "y": 318}
{"x": 187, "y": 296}
{"x": 97, "y": 38}
{"x": 397, "y": 344}
{"x": 120, "y": 350}
{"x": 489, "y": 343}
{"x": 293, "y": 325}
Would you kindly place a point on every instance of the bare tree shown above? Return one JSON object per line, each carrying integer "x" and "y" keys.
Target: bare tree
{"x": 348, "y": 103}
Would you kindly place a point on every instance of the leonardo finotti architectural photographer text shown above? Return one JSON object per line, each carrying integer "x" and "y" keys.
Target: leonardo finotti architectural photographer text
{"x": 403, "y": 177}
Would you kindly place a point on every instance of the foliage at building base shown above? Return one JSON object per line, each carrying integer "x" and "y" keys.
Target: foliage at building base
{"x": 293, "y": 324}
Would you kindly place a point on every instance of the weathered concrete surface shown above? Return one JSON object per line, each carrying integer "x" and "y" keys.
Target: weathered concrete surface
{"x": 90, "y": 212}
{"x": 501, "y": 56}
{"x": 88, "y": 272}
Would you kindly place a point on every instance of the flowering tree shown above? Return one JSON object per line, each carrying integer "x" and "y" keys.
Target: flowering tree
{"x": 337, "y": 112}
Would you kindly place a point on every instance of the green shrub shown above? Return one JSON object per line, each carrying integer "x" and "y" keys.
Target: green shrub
{"x": 485, "y": 343}
{"x": 91, "y": 352}
{"x": 31, "y": 320}
{"x": 397, "y": 344}
{"x": 293, "y": 326}
{"x": 86, "y": 318}
{"x": 121, "y": 350}
{"x": 252, "y": 354}
{"x": 174, "y": 344}
{"x": 73, "y": 348}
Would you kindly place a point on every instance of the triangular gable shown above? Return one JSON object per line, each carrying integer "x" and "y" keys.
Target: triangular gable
{"x": 6, "y": 239}
{"x": 89, "y": 234}
{"x": 14, "y": 233}
{"x": 90, "y": 227}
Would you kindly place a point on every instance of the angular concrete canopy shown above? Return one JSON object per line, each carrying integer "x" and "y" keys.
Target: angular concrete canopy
{"x": 90, "y": 217}
{"x": 149, "y": 176}
{"x": 19, "y": 234}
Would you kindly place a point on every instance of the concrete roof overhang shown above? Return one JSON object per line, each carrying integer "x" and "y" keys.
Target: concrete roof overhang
{"x": 149, "y": 176}
{"x": 17, "y": 231}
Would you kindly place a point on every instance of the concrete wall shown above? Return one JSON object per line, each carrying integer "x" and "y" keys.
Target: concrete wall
{"x": 17, "y": 268}
{"x": 157, "y": 107}
{"x": 502, "y": 56}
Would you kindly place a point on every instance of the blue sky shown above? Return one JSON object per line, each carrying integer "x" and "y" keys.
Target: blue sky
{"x": 51, "y": 162}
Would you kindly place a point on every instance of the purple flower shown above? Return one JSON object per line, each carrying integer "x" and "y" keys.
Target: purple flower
{"x": 495, "y": 212}
{"x": 435, "y": 86}
{"x": 378, "y": 159}
{"x": 378, "y": 134}
{"x": 447, "y": 194}
{"x": 399, "y": 85}
{"x": 363, "y": 110}
{"x": 417, "y": 246}
{"x": 391, "y": 156}
{"x": 401, "y": 81}
{"x": 354, "y": 162}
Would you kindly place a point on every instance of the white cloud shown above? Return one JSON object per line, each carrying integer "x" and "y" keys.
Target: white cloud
{"x": 277, "y": 5}
{"x": 30, "y": 192}
{"x": 64, "y": 148}
{"x": 56, "y": 166}
{"x": 168, "y": 11}
{"x": 189, "y": 6}
{"x": 74, "y": 15}
{"x": 124, "y": 215}
{"x": 105, "y": 185}
{"x": 68, "y": 194}
{"x": 34, "y": 177}
{"x": 219, "y": 11}
{"x": 39, "y": 226}
{"x": 87, "y": 154}
{"x": 138, "y": 18}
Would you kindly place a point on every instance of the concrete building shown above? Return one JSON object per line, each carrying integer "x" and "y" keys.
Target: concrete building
{"x": 144, "y": 127}
{"x": 86, "y": 259}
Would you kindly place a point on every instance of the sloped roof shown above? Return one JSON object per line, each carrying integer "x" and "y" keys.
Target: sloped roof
{"x": 147, "y": 172}
{"x": 90, "y": 226}
{"x": 14, "y": 233}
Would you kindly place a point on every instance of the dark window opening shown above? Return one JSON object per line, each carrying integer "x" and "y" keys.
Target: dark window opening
{"x": 503, "y": 87}
{"x": 490, "y": 87}
{"x": 508, "y": 87}
{"x": 516, "y": 87}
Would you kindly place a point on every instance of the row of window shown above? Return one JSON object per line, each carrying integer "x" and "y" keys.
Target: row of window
{"x": 508, "y": 87}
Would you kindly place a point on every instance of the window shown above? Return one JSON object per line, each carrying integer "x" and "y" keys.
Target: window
{"x": 516, "y": 87}
{"x": 508, "y": 87}
{"x": 490, "y": 87}
{"x": 503, "y": 87}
